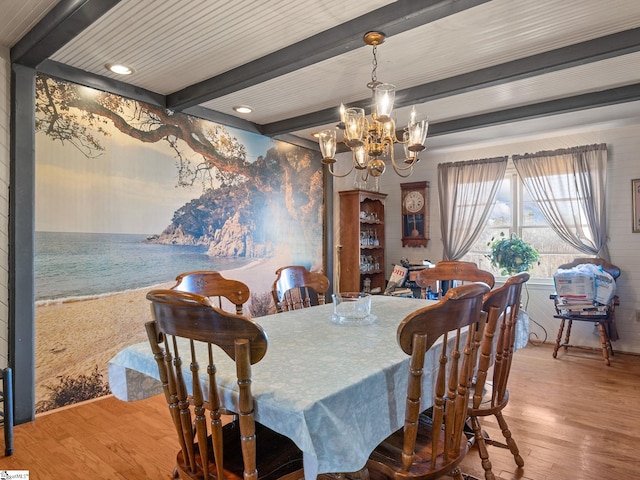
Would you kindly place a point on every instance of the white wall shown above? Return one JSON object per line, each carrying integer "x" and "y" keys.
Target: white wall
{"x": 5, "y": 112}
{"x": 624, "y": 164}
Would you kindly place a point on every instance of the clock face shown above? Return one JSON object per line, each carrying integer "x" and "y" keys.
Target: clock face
{"x": 413, "y": 202}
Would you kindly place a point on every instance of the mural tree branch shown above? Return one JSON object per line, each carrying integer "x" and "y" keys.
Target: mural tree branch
{"x": 74, "y": 114}
{"x": 205, "y": 152}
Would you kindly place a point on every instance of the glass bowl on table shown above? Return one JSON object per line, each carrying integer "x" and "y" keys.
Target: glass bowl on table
{"x": 352, "y": 308}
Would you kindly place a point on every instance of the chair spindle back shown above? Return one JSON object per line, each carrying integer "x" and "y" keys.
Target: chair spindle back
{"x": 296, "y": 287}
{"x": 210, "y": 283}
{"x": 447, "y": 271}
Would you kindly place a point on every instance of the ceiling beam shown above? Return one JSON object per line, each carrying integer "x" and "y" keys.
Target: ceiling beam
{"x": 299, "y": 141}
{"x": 222, "y": 118}
{"x": 613, "y": 96}
{"x": 117, "y": 87}
{"x": 391, "y": 19}
{"x": 63, "y": 22}
{"x": 571, "y": 56}
{"x": 105, "y": 84}
{"x": 595, "y": 50}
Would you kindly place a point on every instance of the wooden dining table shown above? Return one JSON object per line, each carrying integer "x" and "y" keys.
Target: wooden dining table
{"x": 336, "y": 390}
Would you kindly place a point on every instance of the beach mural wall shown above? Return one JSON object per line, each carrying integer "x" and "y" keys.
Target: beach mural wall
{"x": 129, "y": 195}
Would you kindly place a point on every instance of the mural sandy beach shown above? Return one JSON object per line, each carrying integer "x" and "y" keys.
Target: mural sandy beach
{"x": 76, "y": 335}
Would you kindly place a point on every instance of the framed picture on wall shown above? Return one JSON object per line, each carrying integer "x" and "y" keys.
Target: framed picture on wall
{"x": 635, "y": 204}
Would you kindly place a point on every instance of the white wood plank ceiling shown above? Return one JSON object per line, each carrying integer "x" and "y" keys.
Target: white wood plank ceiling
{"x": 466, "y": 60}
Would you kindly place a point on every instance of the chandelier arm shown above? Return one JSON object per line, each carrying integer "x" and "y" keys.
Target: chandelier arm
{"x": 397, "y": 168}
{"x": 337, "y": 175}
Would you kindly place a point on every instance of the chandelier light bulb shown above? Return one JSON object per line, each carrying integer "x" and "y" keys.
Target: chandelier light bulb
{"x": 418, "y": 132}
{"x": 327, "y": 140}
{"x": 354, "y": 124}
{"x": 360, "y": 157}
{"x": 385, "y": 95}
{"x": 410, "y": 157}
{"x": 388, "y": 129}
{"x": 412, "y": 115}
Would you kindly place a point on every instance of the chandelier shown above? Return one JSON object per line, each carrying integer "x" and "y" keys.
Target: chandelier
{"x": 371, "y": 140}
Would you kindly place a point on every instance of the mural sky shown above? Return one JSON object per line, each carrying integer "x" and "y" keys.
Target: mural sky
{"x": 130, "y": 187}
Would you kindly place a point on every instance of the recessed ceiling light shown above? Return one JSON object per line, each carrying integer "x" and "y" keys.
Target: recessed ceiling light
{"x": 119, "y": 68}
{"x": 243, "y": 109}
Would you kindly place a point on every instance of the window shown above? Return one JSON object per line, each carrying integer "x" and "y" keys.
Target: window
{"x": 515, "y": 212}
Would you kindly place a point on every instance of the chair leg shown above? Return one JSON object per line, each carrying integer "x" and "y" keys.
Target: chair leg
{"x": 456, "y": 474}
{"x": 566, "y": 338}
{"x": 482, "y": 448}
{"x": 466, "y": 476}
{"x": 609, "y": 347}
{"x": 7, "y": 410}
{"x": 604, "y": 340}
{"x": 558, "y": 339}
{"x": 510, "y": 441}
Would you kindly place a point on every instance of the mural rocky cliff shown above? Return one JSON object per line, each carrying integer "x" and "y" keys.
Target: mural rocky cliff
{"x": 243, "y": 220}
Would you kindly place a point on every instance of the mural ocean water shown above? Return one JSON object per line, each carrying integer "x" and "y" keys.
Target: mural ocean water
{"x": 89, "y": 264}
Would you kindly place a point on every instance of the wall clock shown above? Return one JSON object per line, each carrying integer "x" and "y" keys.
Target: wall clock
{"x": 415, "y": 214}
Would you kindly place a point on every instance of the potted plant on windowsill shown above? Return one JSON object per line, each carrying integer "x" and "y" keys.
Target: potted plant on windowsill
{"x": 512, "y": 255}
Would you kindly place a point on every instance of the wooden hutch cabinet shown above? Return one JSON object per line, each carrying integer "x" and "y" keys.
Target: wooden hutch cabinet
{"x": 362, "y": 239}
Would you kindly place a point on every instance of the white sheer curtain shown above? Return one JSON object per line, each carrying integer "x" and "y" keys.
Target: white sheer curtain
{"x": 569, "y": 187}
{"x": 467, "y": 192}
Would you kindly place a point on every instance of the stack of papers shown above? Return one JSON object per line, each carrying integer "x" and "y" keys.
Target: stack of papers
{"x": 577, "y": 307}
{"x": 402, "y": 292}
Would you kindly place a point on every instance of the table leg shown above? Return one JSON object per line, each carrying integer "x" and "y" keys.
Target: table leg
{"x": 362, "y": 474}
{"x": 609, "y": 347}
{"x": 310, "y": 472}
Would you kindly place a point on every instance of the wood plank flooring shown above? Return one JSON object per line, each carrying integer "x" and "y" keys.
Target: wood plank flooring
{"x": 573, "y": 418}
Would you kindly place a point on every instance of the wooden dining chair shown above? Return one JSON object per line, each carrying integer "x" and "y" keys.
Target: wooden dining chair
{"x": 490, "y": 394}
{"x": 6, "y": 411}
{"x": 605, "y": 323}
{"x": 210, "y": 283}
{"x": 296, "y": 287}
{"x": 433, "y": 446}
{"x": 441, "y": 276}
{"x": 237, "y": 450}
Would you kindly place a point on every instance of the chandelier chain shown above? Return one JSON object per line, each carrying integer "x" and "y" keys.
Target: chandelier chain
{"x": 374, "y": 77}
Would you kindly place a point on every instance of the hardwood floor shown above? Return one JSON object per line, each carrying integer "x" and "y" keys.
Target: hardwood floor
{"x": 573, "y": 419}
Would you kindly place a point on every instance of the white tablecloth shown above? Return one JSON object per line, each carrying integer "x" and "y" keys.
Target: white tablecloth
{"x": 336, "y": 391}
